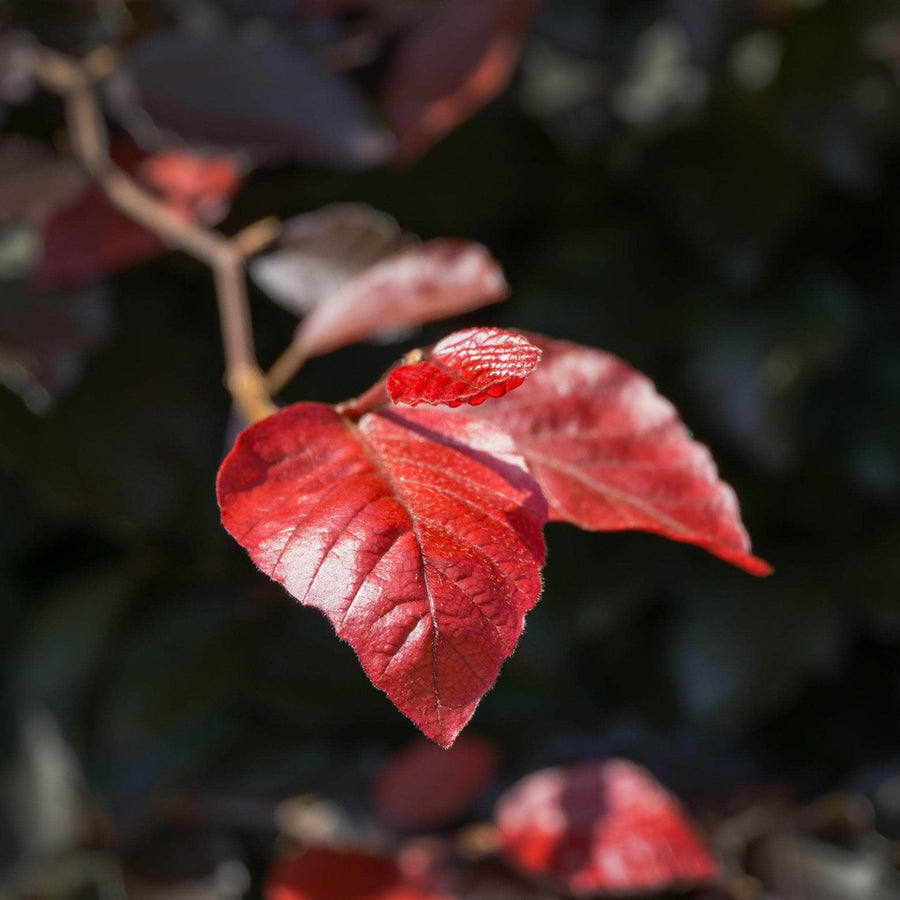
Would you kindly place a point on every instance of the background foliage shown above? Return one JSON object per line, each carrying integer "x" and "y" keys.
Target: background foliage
{"x": 710, "y": 190}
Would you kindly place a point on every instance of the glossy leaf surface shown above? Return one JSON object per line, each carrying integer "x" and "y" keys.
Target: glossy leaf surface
{"x": 435, "y": 280}
{"x": 611, "y": 454}
{"x": 423, "y": 786}
{"x": 319, "y": 873}
{"x": 601, "y": 827}
{"x": 417, "y": 535}
{"x": 465, "y": 367}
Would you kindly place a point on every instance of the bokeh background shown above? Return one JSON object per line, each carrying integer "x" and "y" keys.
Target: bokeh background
{"x": 709, "y": 189}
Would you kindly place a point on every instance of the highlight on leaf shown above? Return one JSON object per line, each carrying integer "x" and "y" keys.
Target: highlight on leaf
{"x": 601, "y": 827}
{"x": 423, "y": 283}
{"x": 417, "y": 533}
{"x": 611, "y": 454}
{"x": 467, "y": 366}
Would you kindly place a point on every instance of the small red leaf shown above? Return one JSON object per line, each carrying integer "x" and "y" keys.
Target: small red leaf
{"x": 611, "y": 454}
{"x": 421, "y": 284}
{"x": 418, "y": 536}
{"x": 465, "y": 367}
{"x": 319, "y": 873}
{"x": 601, "y": 827}
{"x": 450, "y": 66}
{"x": 424, "y": 787}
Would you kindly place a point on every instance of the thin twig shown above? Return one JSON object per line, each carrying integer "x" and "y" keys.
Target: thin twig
{"x": 285, "y": 367}
{"x": 74, "y": 82}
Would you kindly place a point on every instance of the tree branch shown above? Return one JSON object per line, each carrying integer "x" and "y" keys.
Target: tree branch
{"x": 74, "y": 81}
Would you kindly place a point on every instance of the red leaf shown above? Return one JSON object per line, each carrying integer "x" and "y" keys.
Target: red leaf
{"x": 465, "y": 367}
{"x": 424, "y": 787}
{"x": 431, "y": 281}
{"x": 418, "y": 536}
{"x": 611, "y": 454}
{"x": 451, "y": 66}
{"x": 601, "y": 827}
{"x": 319, "y": 873}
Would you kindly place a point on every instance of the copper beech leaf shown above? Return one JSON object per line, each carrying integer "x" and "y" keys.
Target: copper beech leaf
{"x": 601, "y": 827}
{"x": 465, "y": 367}
{"x": 320, "y": 873}
{"x": 611, "y": 454}
{"x": 416, "y": 532}
{"x": 423, "y": 786}
{"x": 424, "y": 283}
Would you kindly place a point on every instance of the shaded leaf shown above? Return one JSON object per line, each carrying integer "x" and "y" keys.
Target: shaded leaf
{"x": 321, "y": 252}
{"x": 424, "y": 787}
{"x": 611, "y": 454}
{"x": 45, "y": 338}
{"x": 34, "y": 181}
{"x": 319, "y": 873}
{"x": 450, "y": 66}
{"x": 465, "y": 367}
{"x": 418, "y": 536}
{"x": 266, "y": 97}
{"x": 436, "y": 280}
{"x": 601, "y": 827}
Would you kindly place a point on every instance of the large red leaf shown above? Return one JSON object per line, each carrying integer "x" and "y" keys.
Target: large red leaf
{"x": 417, "y": 535}
{"x": 465, "y": 367}
{"x": 450, "y": 66}
{"x": 431, "y": 281}
{"x": 319, "y": 873}
{"x": 611, "y": 454}
{"x": 424, "y": 786}
{"x": 601, "y": 827}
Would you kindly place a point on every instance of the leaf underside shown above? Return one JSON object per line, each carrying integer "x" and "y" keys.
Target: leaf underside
{"x": 418, "y": 536}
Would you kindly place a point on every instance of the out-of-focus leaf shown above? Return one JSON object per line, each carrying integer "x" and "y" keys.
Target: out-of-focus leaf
{"x": 45, "y": 337}
{"x": 323, "y": 874}
{"x": 435, "y": 280}
{"x": 195, "y": 186}
{"x": 169, "y": 707}
{"x": 424, "y": 787}
{"x": 47, "y": 790}
{"x": 468, "y": 366}
{"x": 450, "y": 66}
{"x": 416, "y": 532}
{"x": 601, "y": 827}
{"x": 611, "y": 454}
{"x": 34, "y": 182}
{"x": 321, "y": 252}
{"x": 264, "y": 97}
{"x": 739, "y": 651}
{"x": 60, "y": 646}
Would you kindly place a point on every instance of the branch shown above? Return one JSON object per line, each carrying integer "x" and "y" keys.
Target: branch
{"x": 74, "y": 81}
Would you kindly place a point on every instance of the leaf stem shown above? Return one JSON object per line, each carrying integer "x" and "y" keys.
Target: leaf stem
{"x": 74, "y": 81}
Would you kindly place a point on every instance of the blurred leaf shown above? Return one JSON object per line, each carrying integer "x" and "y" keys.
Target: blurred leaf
{"x": 267, "y": 98}
{"x": 424, "y": 283}
{"x": 424, "y": 787}
{"x": 45, "y": 338}
{"x": 61, "y": 644}
{"x": 451, "y": 65}
{"x": 321, "y": 252}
